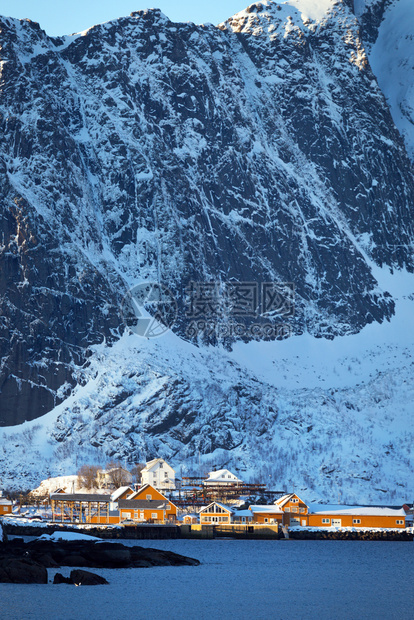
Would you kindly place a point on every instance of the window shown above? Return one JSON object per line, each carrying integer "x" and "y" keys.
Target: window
{"x": 149, "y": 496}
{"x": 294, "y": 509}
{"x": 153, "y": 515}
{"x": 301, "y": 509}
{"x": 166, "y": 474}
{"x": 326, "y": 520}
{"x": 168, "y": 507}
{"x": 126, "y": 515}
{"x": 356, "y": 520}
{"x": 287, "y": 509}
{"x": 294, "y": 500}
{"x": 400, "y": 522}
{"x": 161, "y": 465}
{"x": 266, "y": 520}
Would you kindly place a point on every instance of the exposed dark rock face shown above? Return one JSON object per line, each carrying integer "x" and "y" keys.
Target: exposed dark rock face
{"x": 263, "y": 151}
{"x": 81, "y": 553}
{"x": 370, "y": 20}
{"x": 81, "y": 578}
{"x": 21, "y": 570}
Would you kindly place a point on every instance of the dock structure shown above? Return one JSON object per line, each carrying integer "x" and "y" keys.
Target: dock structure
{"x": 80, "y": 507}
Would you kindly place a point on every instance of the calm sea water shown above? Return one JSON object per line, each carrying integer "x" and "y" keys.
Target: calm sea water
{"x": 287, "y": 579}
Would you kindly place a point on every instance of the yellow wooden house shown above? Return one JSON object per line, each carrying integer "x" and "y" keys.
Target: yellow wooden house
{"x": 215, "y": 513}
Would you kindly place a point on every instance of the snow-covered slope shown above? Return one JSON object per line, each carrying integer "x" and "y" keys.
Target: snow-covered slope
{"x": 333, "y": 418}
{"x": 391, "y": 59}
{"x": 258, "y": 151}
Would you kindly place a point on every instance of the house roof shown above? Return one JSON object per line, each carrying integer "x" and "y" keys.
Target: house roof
{"x": 377, "y": 511}
{"x": 242, "y": 513}
{"x": 223, "y": 506}
{"x": 118, "y": 492}
{"x": 5, "y": 501}
{"x": 144, "y": 488}
{"x": 268, "y": 509}
{"x": 220, "y": 475}
{"x": 285, "y": 498}
{"x": 80, "y": 497}
{"x": 143, "y": 504}
{"x": 151, "y": 464}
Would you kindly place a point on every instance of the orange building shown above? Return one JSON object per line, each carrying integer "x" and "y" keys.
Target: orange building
{"x": 5, "y": 506}
{"x": 296, "y": 512}
{"x": 147, "y": 505}
{"x": 266, "y": 514}
{"x": 259, "y": 514}
{"x": 356, "y": 516}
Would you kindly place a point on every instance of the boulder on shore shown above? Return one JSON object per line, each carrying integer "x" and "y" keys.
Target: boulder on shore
{"x": 90, "y": 554}
{"x": 21, "y": 570}
{"x": 80, "y": 578}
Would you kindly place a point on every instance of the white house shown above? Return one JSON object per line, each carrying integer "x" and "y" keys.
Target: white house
{"x": 158, "y": 474}
{"x": 222, "y": 477}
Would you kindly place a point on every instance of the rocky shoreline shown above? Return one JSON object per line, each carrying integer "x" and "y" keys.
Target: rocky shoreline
{"x": 386, "y": 535}
{"x": 22, "y": 562}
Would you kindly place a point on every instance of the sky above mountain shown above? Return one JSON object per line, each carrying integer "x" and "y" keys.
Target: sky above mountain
{"x": 59, "y": 18}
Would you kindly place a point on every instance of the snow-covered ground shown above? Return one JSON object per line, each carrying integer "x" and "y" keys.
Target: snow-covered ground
{"x": 343, "y": 423}
{"x": 391, "y": 61}
{"x": 344, "y": 362}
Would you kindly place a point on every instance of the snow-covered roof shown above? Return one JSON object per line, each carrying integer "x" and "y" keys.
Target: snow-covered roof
{"x": 242, "y": 513}
{"x": 5, "y": 502}
{"x": 378, "y": 511}
{"x": 222, "y": 474}
{"x": 271, "y": 509}
{"x": 223, "y": 506}
{"x": 282, "y": 500}
{"x": 118, "y": 492}
{"x": 151, "y": 464}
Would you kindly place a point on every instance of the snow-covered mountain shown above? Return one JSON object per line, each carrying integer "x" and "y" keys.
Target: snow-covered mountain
{"x": 259, "y": 151}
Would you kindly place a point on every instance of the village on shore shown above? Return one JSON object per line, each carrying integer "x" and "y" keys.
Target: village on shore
{"x": 219, "y": 499}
